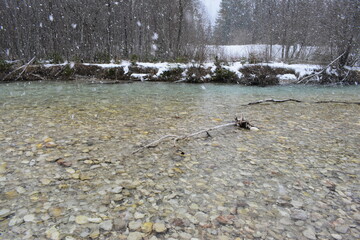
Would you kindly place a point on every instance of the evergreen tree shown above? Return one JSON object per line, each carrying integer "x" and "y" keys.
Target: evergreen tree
{"x": 234, "y": 22}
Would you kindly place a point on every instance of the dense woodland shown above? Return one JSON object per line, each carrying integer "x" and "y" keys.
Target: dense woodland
{"x": 333, "y": 25}
{"x": 100, "y": 30}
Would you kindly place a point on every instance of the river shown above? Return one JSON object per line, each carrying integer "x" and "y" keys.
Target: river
{"x": 66, "y": 155}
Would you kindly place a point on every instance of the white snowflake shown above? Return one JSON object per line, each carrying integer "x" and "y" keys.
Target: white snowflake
{"x": 41, "y": 25}
{"x": 155, "y": 36}
{"x": 73, "y": 25}
{"x": 154, "y": 47}
{"x": 138, "y": 23}
{"x": 51, "y": 17}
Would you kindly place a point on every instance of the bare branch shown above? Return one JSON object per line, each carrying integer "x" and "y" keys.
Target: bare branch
{"x": 323, "y": 70}
{"x": 24, "y": 67}
{"x": 241, "y": 123}
{"x": 273, "y": 100}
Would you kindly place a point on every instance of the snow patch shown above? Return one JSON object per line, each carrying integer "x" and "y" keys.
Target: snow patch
{"x": 234, "y": 67}
{"x": 287, "y": 78}
{"x": 140, "y": 76}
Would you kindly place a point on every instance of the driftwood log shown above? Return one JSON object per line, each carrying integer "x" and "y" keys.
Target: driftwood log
{"x": 295, "y": 100}
{"x": 240, "y": 123}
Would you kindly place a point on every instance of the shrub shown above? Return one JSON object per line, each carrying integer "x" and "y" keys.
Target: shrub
{"x": 258, "y": 75}
{"x": 68, "y": 71}
{"x": 56, "y": 58}
{"x": 5, "y": 66}
{"x": 223, "y": 75}
{"x": 116, "y": 73}
{"x": 197, "y": 74}
{"x": 133, "y": 59}
{"x": 172, "y": 74}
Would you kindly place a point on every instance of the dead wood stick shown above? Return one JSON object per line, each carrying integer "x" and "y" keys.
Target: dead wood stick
{"x": 62, "y": 68}
{"x": 273, "y": 100}
{"x": 322, "y": 70}
{"x": 203, "y": 131}
{"x": 177, "y": 137}
{"x": 154, "y": 143}
{"x": 23, "y": 66}
{"x": 38, "y": 76}
{"x": 357, "y": 103}
{"x": 298, "y": 101}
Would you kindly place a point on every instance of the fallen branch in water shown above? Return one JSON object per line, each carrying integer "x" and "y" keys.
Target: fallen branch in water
{"x": 357, "y": 103}
{"x": 241, "y": 123}
{"x": 274, "y": 100}
{"x": 295, "y": 100}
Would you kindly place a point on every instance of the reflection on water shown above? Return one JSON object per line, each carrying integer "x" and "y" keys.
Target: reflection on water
{"x": 300, "y": 149}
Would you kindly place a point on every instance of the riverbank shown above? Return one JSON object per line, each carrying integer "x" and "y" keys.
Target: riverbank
{"x": 262, "y": 74}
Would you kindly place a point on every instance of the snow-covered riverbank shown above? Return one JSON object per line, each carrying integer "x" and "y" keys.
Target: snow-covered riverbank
{"x": 261, "y": 74}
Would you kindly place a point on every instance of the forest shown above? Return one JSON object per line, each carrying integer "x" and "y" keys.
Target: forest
{"x": 175, "y": 30}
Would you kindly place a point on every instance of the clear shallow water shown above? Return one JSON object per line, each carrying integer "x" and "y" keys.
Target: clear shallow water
{"x": 300, "y": 149}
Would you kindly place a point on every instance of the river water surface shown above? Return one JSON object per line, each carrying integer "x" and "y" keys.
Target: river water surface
{"x": 66, "y": 155}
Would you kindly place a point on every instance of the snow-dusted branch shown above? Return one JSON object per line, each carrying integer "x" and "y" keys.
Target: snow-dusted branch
{"x": 323, "y": 70}
{"x": 24, "y": 67}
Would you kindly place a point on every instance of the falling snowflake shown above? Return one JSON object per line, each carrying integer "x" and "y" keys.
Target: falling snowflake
{"x": 51, "y": 17}
{"x": 41, "y": 25}
{"x": 154, "y": 47}
{"x": 138, "y": 23}
{"x": 155, "y": 36}
{"x": 73, "y": 25}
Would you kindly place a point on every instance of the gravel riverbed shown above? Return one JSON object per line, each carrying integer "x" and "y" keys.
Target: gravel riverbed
{"x": 67, "y": 171}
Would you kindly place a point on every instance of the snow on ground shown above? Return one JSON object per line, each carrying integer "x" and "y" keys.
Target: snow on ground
{"x": 140, "y": 76}
{"x": 287, "y": 78}
{"x": 300, "y": 69}
{"x": 260, "y": 51}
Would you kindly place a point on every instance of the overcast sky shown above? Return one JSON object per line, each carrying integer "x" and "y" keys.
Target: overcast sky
{"x": 212, "y": 7}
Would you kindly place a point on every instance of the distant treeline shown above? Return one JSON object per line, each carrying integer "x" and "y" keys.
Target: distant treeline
{"x": 100, "y": 30}
{"x": 332, "y": 24}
